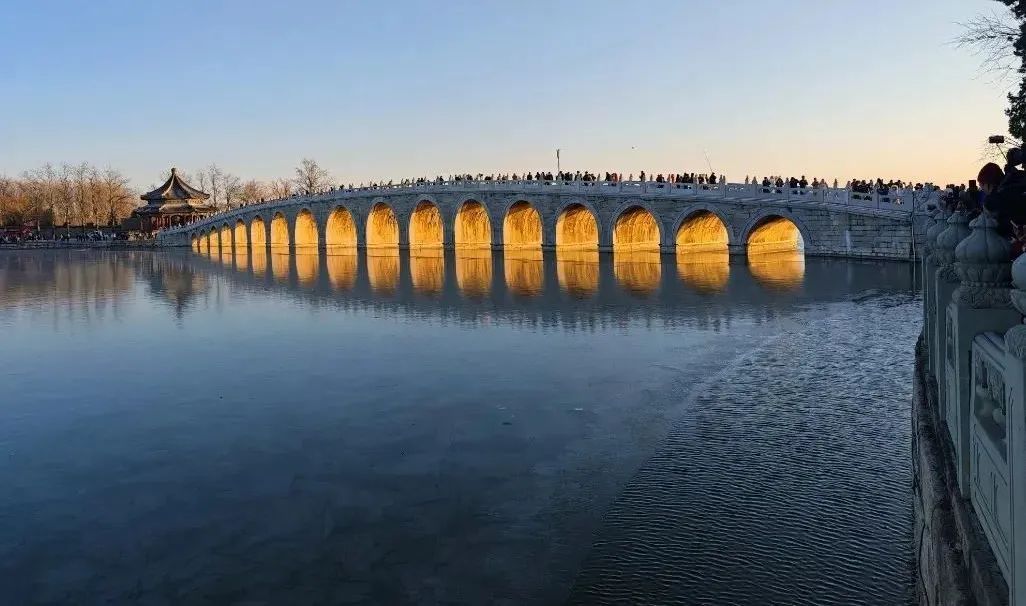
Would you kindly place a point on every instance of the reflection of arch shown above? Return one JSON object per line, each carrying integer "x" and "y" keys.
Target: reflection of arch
{"x": 241, "y": 235}
{"x": 473, "y": 228}
{"x": 524, "y": 271}
{"x": 305, "y": 234}
{"x": 702, "y": 231}
{"x": 258, "y": 233}
{"x": 241, "y": 257}
{"x": 636, "y": 228}
{"x": 426, "y": 226}
{"x": 382, "y": 228}
{"x": 577, "y": 227}
{"x": 259, "y": 260}
{"x": 706, "y": 272}
{"x": 341, "y": 267}
{"x": 781, "y": 270}
{"x": 280, "y": 264}
{"x": 279, "y": 231}
{"x": 307, "y": 265}
{"x": 578, "y": 271}
{"x": 427, "y": 270}
{"x": 195, "y": 243}
{"x": 775, "y": 231}
{"x": 522, "y": 227}
{"x": 340, "y": 231}
{"x": 474, "y": 272}
{"x": 637, "y": 271}
{"x": 383, "y": 270}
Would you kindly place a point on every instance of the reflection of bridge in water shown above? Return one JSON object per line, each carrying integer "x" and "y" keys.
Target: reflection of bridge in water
{"x": 599, "y": 217}
{"x": 558, "y": 287}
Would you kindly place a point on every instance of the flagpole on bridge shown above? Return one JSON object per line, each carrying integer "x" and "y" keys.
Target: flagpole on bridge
{"x": 557, "y": 160}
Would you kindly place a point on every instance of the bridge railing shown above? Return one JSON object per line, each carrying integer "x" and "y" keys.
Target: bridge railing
{"x": 902, "y": 201}
{"x": 976, "y": 354}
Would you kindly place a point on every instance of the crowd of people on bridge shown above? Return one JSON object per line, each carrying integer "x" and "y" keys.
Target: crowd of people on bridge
{"x": 1001, "y": 192}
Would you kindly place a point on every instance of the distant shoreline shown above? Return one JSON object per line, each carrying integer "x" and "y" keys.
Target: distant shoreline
{"x": 77, "y": 244}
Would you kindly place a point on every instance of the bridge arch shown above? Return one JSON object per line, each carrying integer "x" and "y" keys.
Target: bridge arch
{"x": 340, "y": 230}
{"x": 304, "y": 231}
{"x": 577, "y": 226}
{"x": 775, "y": 230}
{"x": 241, "y": 234}
{"x": 702, "y": 228}
{"x": 636, "y": 228}
{"x": 426, "y": 227}
{"x": 279, "y": 231}
{"x": 472, "y": 226}
{"x": 522, "y": 226}
{"x": 225, "y": 235}
{"x": 258, "y": 232}
{"x": 382, "y": 227}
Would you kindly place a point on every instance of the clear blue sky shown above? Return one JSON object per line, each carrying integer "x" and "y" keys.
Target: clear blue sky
{"x": 378, "y": 90}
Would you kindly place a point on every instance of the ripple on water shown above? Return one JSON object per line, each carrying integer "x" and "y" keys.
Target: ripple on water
{"x": 787, "y": 482}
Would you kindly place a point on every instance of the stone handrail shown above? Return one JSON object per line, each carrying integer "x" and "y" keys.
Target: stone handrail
{"x": 896, "y": 202}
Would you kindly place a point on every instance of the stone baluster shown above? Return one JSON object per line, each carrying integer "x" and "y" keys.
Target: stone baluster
{"x": 1015, "y": 380}
{"x": 982, "y": 302}
{"x": 939, "y": 224}
{"x": 944, "y": 283}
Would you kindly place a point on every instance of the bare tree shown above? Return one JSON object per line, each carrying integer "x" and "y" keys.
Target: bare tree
{"x": 310, "y": 177}
{"x": 231, "y": 186}
{"x": 252, "y": 191}
{"x": 281, "y": 188}
{"x": 993, "y": 38}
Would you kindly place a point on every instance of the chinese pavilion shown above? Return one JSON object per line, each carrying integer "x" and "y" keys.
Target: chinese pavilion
{"x": 173, "y": 203}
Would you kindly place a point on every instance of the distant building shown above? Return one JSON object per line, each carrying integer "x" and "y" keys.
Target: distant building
{"x": 173, "y": 203}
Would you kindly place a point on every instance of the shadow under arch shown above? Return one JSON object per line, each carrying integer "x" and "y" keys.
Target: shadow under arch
{"x": 577, "y": 228}
{"x": 472, "y": 227}
{"x": 340, "y": 230}
{"x": 636, "y": 229}
{"x": 426, "y": 228}
{"x": 522, "y": 227}
{"x": 382, "y": 227}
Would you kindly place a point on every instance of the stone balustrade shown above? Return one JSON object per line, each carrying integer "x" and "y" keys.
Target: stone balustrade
{"x": 975, "y": 354}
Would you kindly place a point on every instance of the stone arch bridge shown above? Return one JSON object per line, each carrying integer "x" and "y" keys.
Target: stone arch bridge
{"x": 598, "y": 216}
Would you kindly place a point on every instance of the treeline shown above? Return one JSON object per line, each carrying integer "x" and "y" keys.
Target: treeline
{"x": 68, "y": 194}
{"x": 83, "y": 194}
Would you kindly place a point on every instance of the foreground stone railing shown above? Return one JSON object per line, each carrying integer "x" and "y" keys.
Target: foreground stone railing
{"x": 894, "y": 202}
{"x": 975, "y": 354}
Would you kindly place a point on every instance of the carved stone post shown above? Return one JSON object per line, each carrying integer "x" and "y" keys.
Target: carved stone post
{"x": 981, "y": 303}
{"x": 930, "y": 287}
{"x": 944, "y": 283}
{"x": 1015, "y": 378}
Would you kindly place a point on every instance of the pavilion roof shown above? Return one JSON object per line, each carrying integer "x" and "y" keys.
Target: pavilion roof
{"x": 174, "y": 189}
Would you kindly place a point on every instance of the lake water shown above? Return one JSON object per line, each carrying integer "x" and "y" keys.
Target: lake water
{"x": 469, "y": 428}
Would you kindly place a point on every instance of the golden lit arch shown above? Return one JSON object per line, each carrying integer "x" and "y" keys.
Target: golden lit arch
{"x": 305, "y": 230}
{"x": 473, "y": 228}
{"x": 426, "y": 226}
{"x": 340, "y": 232}
{"x": 577, "y": 228}
{"x": 774, "y": 234}
{"x": 522, "y": 227}
{"x": 279, "y": 231}
{"x": 702, "y": 231}
{"x": 225, "y": 236}
{"x": 258, "y": 233}
{"x": 241, "y": 235}
{"x": 382, "y": 227}
{"x": 636, "y": 230}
